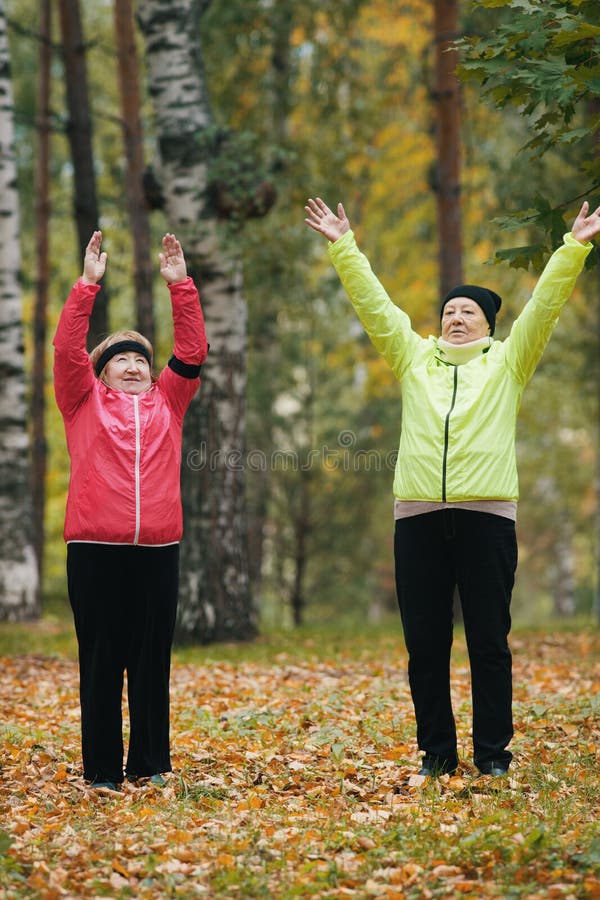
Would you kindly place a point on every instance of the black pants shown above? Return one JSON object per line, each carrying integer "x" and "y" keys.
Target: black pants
{"x": 477, "y": 552}
{"x": 124, "y": 602}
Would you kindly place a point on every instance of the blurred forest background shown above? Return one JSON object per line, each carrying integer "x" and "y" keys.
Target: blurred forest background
{"x": 216, "y": 120}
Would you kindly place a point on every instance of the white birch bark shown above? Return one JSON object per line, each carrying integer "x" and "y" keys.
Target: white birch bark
{"x": 18, "y": 568}
{"x": 215, "y": 601}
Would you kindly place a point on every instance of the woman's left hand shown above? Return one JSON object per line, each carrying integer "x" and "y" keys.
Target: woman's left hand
{"x": 586, "y": 227}
{"x": 172, "y": 261}
{"x": 322, "y": 219}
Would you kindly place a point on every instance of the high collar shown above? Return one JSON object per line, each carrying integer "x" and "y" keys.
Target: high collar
{"x": 458, "y": 354}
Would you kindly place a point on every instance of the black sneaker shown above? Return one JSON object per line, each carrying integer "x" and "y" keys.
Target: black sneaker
{"x": 495, "y": 769}
{"x": 140, "y": 780}
{"x": 431, "y": 769}
{"x": 104, "y": 786}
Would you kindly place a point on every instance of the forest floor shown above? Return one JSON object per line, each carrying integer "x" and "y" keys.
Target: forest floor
{"x": 294, "y": 761}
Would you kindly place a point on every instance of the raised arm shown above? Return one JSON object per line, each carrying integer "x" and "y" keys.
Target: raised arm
{"x": 531, "y": 331}
{"x": 73, "y": 375}
{"x": 388, "y": 326}
{"x": 181, "y": 377}
{"x": 190, "y": 345}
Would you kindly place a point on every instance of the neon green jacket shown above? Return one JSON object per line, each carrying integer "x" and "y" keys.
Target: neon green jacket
{"x": 458, "y": 421}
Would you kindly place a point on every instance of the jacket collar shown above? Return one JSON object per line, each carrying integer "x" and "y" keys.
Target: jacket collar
{"x": 458, "y": 354}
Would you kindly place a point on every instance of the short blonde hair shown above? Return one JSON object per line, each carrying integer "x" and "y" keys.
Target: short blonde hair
{"x": 114, "y": 338}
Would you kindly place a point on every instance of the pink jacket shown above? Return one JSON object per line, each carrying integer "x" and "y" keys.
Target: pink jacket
{"x": 125, "y": 449}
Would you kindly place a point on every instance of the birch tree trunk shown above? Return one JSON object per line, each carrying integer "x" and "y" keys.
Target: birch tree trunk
{"x": 215, "y": 601}
{"x": 42, "y": 217}
{"x": 19, "y": 597}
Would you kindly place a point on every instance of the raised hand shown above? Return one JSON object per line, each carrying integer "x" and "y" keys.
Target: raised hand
{"x": 94, "y": 262}
{"x": 586, "y": 227}
{"x": 172, "y": 261}
{"x": 322, "y": 219}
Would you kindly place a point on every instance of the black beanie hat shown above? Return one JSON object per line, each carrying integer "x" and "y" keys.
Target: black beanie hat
{"x": 489, "y": 301}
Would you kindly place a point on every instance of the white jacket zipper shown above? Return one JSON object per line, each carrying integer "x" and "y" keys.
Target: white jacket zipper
{"x": 136, "y": 410}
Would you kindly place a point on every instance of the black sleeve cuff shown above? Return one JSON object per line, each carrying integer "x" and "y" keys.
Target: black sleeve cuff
{"x": 184, "y": 369}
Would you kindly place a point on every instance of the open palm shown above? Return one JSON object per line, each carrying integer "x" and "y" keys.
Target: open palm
{"x": 325, "y": 221}
{"x": 586, "y": 227}
{"x": 94, "y": 262}
{"x": 172, "y": 261}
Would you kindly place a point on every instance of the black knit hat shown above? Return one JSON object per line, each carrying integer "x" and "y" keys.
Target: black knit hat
{"x": 489, "y": 301}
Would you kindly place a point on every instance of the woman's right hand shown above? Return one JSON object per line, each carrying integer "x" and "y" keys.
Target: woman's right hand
{"x": 322, "y": 219}
{"x": 94, "y": 262}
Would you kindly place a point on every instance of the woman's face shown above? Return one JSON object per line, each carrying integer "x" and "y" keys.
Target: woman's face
{"x": 128, "y": 371}
{"x": 463, "y": 321}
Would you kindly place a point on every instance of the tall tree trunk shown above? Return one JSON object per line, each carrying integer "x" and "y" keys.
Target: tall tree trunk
{"x": 594, "y": 110}
{"x": 301, "y": 530}
{"x": 562, "y": 570}
{"x": 282, "y": 24}
{"x": 79, "y": 133}
{"x": 19, "y": 584}
{"x": 129, "y": 89}
{"x": 266, "y": 345}
{"x": 42, "y": 215}
{"x": 215, "y": 601}
{"x": 446, "y": 98}
{"x": 596, "y": 518}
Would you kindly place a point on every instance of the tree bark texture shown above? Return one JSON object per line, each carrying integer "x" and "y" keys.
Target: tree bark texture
{"x": 302, "y": 527}
{"x": 266, "y": 344}
{"x": 129, "y": 90}
{"x": 446, "y": 100}
{"x": 215, "y": 599}
{"x": 19, "y": 597}
{"x": 79, "y": 133}
{"x": 564, "y": 581}
{"x": 42, "y": 216}
{"x": 282, "y": 19}
{"x": 596, "y": 518}
{"x": 594, "y": 109}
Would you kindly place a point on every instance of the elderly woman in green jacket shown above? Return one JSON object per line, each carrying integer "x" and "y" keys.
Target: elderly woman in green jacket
{"x": 455, "y": 484}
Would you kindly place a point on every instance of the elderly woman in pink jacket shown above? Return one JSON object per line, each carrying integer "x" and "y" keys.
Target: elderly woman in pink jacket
{"x": 123, "y": 520}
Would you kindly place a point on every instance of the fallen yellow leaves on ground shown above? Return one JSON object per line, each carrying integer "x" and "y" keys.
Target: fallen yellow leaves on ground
{"x": 297, "y": 779}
